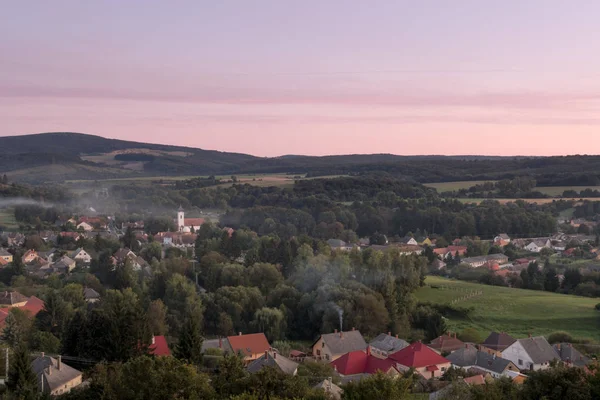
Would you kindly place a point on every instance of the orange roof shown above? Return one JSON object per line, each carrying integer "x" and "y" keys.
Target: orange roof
{"x": 3, "y": 262}
{"x": 254, "y": 343}
{"x": 193, "y": 221}
{"x": 475, "y": 380}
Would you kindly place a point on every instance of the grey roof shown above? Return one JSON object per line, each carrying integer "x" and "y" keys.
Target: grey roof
{"x": 498, "y": 341}
{"x": 388, "y": 343}
{"x": 539, "y": 350}
{"x": 56, "y": 378}
{"x": 330, "y": 388}
{"x": 90, "y": 294}
{"x": 570, "y": 354}
{"x": 469, "y": 356}
{"x": 345, "y": 342}
{"x": 4, "y": 253}
{"x": 336, "y": 243}
{"x": 10, "y": 298}
{"x": 272, "y": 359}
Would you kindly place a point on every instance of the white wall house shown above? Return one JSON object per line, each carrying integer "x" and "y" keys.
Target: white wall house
{"x": 534, "y": 353}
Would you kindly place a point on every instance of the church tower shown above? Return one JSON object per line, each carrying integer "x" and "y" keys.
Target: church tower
{"x": 180, "y": 219}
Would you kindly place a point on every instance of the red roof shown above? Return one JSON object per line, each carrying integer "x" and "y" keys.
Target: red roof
{"x": 359, "y": 362}
{"x": 417, "y": 355}
{"x": 193, "y": 221}
{"x": 159, "y": 347}
{"x": 446, "y": 343}
{"x": 33, "y": 305}
{"x": 254, "y": 343}
{"x": 297, "y": 353}
{"x": 475, "y": 380}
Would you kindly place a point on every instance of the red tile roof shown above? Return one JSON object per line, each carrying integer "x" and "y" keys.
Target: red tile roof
{"x": 254, "y": 343}
{"x": 34, "y": 306}
{"x": 417, "y": 355}
{"x": 359, "y": 362}
{"x": 159, "y": 347}
{"x": 446, "y": 343}
{"x": 475, "y": 380}
{"x": 193, "y": 221}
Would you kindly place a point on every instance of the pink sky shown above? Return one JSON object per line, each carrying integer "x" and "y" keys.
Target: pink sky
{"x": 272, "y": 77}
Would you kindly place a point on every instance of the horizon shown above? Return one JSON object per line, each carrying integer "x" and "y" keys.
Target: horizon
{"x": 273, "y": 79}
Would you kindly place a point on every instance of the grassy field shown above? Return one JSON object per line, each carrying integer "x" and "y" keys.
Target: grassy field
{"x": 7, "y": 218}
{"x": 450, "y": 186}
{"x": 515, "y": 311}
{"x": 538, "y": 201}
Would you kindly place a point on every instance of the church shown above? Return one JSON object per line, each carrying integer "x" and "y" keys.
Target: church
{"x": 187, "y": 224}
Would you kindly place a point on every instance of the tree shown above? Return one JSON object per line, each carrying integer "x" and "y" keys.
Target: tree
{"x": 231, "y": 376}
{"x": 271, "y": 321}
{"x": 551, "y": 282}
{"x": 157, "y": 318}
{"x": 55, "y": 315}
{"x": 376, "y": 387}
{"x": 21, "y": 378}
{"x": 189, "y": 345}
{"x": 18, "y": 327}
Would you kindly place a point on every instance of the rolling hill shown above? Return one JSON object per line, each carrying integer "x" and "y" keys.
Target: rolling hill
{"x": 61, "y": 156}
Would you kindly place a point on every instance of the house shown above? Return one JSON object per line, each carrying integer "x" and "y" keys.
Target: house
{"x": 469, "y": 356}
{"x": 332, "y": 390}
{"x": 273, "y": 360}
{"x": 480, "y": 261}
{"x": 220, "y": 343}
{"x": 537, "y": 245}
{"x": 409, "y": 240}
{"x": 424, "y": 360}
{"x": 12, "y": 299}
{"x": 29, "y": 256}
{"x": 502, "y": 240}
{"x": 55, "y": 377}
{"x": 81, "y": 255}
{"x": 496, "y": 343}
{"x": 475, "y": 380}
{"x": 159, "y": 347}
{"x": 446, "y": 343}
{"x": 332, "y": 346}
{"x": 64, "y": 265}
{"x": 3, "y": 262}
{"x": 32, "y": 307}
{"x": 385, "y": 344}
{"x": 571, "y": 356}
{"x": 357, "y": 364}
{"x": 251, "y": 346}
{"x": 84, "y": 226}
{"x": 559, "y": 245}
{"x": 437, "y": 264}
{"x": 408, "y": 249}
{"x": 6, "y": 256}
{"x": 90, "y": 295}
{"x": 187, "y": 224}
{"x": 533, "y": 353}
{"x": 426, "y": 242}
{"x": 450, "y": 251}
{"x": 337, "y": 244}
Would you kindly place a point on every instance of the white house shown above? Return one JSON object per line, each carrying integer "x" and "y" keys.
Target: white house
{"x": 537, "y": 245}
{"x": 82, "y": 256}
{"x": 533, "y": 353}
{"x": 409, "y": 240}
{"x": 187, "y": 224}
{"x": 85, "y": 226}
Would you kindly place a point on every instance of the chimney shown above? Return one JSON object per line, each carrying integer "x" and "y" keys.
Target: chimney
{"x": 466, "y": 346}
{"x": 239, "y": 333}
{"x": 50, "y": 369}
{"x": 329, "y": 381}
{"x": 335, "y": 368}
{"x": 266, "y": 354}
{"x": 368, "y": 350}
{"x": 396, "y": 336}
{"x": 59, "y": 362}
{"x": 220, "y": 343}
{"x": 43, "y": 354}
{"x": 335, "y": 331}
{"x": 153, "y": 340}
{"x": 353, "y": 328}
{"x": 274, "y": 355}
{"x": 389, "y": 333}
{"x": 341, "y": 334}
{"x": 529, "y": 335}
{"x": 558, "y": 346}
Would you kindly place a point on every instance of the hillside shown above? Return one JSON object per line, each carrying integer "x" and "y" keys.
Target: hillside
{"x": 63, "y": 155}
{"x": 518, "y": 312}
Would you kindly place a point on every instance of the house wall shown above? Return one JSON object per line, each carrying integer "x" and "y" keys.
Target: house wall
{"x": 517, "y": 354}
{"x": 490, "y": 351}
{"x": 321, "y": 351}
{"x": 442, "y": 368}
{"x": 66, "y": 388}
{"x": 7, "y": 258}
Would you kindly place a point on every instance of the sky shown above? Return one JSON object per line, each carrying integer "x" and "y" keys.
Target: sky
{"x": 276, "y": 77}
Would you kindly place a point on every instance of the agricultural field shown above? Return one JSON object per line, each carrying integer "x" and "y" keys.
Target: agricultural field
{"x": 518, "y": 312}
{"x": 537, "y": 201}
{"x": 451, "y": 186}
{"x": 7, "y": 219}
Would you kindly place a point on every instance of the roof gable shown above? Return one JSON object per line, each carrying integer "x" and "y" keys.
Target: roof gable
{"x": 538, "y": 349}
{"x": 388, "y": 343}
{"x": 418, "y": 355}
{"x": 498, "y": 341}
{"x": 344, "y": 342}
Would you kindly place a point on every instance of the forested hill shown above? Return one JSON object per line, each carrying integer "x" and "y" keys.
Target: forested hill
{"x": 62, "y": 155}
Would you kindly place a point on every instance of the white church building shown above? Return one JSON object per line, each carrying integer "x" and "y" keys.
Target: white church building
{"x": 187, "y": 224}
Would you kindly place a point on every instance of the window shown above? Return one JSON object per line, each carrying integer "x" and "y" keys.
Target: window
{"x": 327, "y": 356}
{"x": 318, "y": 352}
{"x": 323, "y": 344}
{"x": 520, "y": 362}
{"x": 443, "y": 369}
